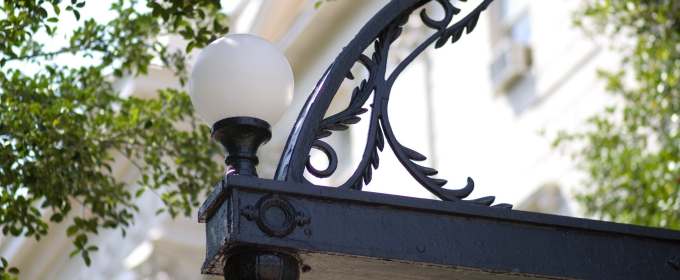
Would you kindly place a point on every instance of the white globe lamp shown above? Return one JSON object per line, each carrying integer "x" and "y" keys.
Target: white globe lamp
{"x": 241, "y": 85}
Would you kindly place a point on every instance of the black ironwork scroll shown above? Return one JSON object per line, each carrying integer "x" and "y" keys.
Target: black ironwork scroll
{"x": 381, "y": 31}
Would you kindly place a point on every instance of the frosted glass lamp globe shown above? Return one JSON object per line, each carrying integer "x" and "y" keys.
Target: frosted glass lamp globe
{"x": 241, "y": 75}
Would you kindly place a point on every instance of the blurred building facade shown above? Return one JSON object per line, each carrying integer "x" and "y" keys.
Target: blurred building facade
{"x": 486, "y": 107}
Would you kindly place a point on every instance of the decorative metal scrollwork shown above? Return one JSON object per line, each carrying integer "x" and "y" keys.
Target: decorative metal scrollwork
{"x": 310, "y": 127}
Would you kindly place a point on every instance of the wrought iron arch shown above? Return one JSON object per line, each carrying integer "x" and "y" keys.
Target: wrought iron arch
{"x": 381, "y": 31}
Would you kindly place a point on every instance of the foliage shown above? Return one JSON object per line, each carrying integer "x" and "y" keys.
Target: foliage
{"x": 62, "y": 126}
{"x": 6, "y": 275}
{"x": 632, "y": 151}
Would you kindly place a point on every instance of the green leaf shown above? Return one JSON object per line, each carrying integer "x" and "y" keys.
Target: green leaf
{"x": 43, "y": 12}
{"x": 109, "y": 224}
{"x": 52, "y": 19}
{"x": 70, "y": 231}
{"x": 139, "y": 192}
{"x": 14, "y": 270}
{"x": 190, "y": 46}
{"x": 56, "y": 9}
{"x": 56, "y": 217}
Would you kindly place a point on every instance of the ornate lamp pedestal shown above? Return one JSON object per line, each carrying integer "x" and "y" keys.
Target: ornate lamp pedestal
{"x": 241, "y": 137}
{"x": 289, "y": 229}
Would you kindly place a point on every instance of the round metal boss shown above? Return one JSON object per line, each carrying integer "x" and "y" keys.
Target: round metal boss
{"x": 276, "y": 216}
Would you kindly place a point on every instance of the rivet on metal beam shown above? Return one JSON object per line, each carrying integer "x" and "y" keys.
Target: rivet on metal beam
{"x": 674, "y": 262}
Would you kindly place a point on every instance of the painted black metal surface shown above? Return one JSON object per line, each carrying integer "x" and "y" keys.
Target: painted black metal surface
{"x": 310, "y": 128}
{"x": 363, "y": 234}
{"x": 262, "y": 266}
{"x": 241, "y": 137}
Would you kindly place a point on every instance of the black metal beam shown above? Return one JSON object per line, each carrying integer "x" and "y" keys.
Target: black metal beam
{"x": 362, "y": 235}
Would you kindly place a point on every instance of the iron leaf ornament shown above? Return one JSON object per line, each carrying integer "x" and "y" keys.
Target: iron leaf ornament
{"x": 311, "y": 127}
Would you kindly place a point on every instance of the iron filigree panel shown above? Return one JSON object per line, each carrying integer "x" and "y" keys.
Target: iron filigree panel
{"x": 310, "y": 127}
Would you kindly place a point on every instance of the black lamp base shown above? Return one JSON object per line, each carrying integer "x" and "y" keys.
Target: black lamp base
{"x": 241, "y": 137}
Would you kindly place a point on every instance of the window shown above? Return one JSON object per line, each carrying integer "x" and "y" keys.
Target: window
{"x": 520, "y": 32}
{"x": 512, "y": 58}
